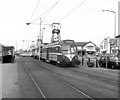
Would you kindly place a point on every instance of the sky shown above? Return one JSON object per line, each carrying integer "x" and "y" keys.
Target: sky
{"x": 81, "y": 20}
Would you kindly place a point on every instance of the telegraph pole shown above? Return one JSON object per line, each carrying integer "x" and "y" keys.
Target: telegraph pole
{"x": 40, "y": 39}
{"x": 16, "y": 45}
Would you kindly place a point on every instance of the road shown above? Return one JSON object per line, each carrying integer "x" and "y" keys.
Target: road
{"x": 30, "y": 78}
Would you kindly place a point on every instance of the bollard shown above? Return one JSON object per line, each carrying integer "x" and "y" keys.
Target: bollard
{"x": 96, "y": 63}
{"x": 82, "y": 61}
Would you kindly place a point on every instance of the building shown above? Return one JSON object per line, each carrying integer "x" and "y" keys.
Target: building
{"x": 105, "y": 46}
{"x": 118, "y": 37}
{"x": 86, "y": 47}
{"x": 108, "y": 45}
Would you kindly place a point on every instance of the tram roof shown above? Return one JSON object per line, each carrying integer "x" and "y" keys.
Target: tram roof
{"x": 62, "y": 42}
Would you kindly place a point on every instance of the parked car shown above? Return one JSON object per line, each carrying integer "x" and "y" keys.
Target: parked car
{"x": 112, "y": 62}
{"x": 24, "y": 55}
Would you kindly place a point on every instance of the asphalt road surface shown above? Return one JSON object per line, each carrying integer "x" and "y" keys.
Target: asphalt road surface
{"x": 30, "y": 78}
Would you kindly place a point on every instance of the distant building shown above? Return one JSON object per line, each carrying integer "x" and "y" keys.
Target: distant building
{"x": 108, "y": 45}
{"x": 86, "y": 47}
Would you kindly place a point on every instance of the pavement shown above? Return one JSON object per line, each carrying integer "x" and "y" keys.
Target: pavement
{"x": 15, "y": 82}
{"x": 9, "y": 80}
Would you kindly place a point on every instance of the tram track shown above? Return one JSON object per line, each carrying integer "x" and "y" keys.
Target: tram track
{"x": 96, "y": 77}
{"x": 78, "y": 73}
{"x": 57, "y": 76}
{"x": 104, "y": 79}
{"x": 37, "y": 86}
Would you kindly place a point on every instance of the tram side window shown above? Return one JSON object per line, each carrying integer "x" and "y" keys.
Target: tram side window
{"x": 59, "y": 50}
{"x": 51, "y": 49}
{"x": 43, "y": 50}
{"x": 56, "y": 49}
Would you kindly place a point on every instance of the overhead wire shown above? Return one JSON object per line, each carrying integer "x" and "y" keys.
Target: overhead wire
{"x": 35, "y": 10}
{"x": 81, "y": 3}
{"x": 51, "y": 9}
{"x": 48, "y": 10}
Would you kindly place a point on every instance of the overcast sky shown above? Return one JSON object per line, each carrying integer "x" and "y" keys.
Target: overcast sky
{"x": 86, "y": 22}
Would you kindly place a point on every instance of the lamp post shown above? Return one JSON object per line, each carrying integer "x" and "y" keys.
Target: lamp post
{"x": 114, "y": 19}
{"x": 114, "y": 25}
{"x": 39, "y": 36}
{"x": 42, "y": 33}
{"x": 16, "y": 45}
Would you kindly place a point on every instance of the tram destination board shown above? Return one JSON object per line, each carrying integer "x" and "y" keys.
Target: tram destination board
{"x": 68, "y": 41}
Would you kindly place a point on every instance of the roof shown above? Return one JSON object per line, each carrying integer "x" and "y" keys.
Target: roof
{"x": 103, "y": 41}
{"x": 83, "y": 43}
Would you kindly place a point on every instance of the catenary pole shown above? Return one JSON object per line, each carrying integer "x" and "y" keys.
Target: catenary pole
{"x": 40, "y": 39}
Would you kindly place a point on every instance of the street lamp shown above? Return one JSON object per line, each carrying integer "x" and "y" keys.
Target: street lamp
{"x": 28, "y": 23}
{"x": 39, "y": 36}
{"x": 114, "y": 21}
{"x": 42, "y": 33}
{"x": 114, "y": 28}
{"x": 114, "y": 24}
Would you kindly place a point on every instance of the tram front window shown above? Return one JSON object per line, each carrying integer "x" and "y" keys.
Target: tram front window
{"x": 68, "y": 49}
{"x": 73, "y": 49}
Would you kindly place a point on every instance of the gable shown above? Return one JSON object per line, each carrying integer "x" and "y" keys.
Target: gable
{"x": 90, "y": 47}
{"x": 90, "y": 44}
{"x": 81, "y": 44}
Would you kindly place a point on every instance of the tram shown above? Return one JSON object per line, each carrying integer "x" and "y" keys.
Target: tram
{"x": 63, "y": 53}
{"x": 35, "y": 53}
{"x": 8, "y": 54}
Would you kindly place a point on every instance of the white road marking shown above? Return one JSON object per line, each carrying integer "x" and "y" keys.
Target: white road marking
{"x": 79, "y": 91}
